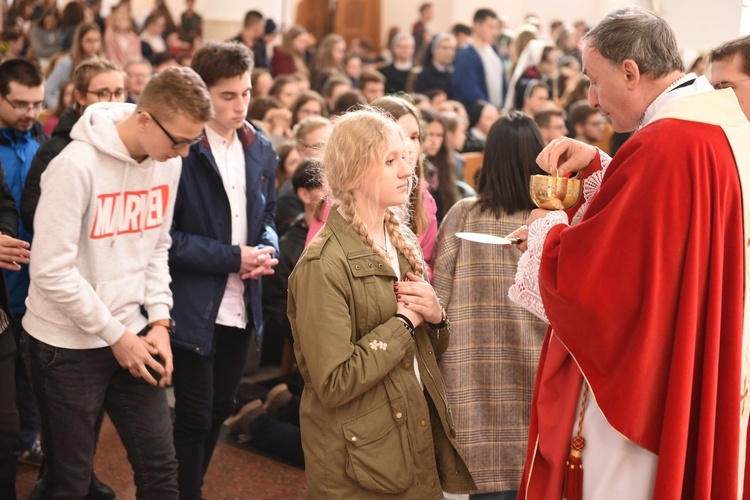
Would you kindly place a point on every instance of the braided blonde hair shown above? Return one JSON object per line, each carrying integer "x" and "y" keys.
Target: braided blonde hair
{"x": 356, "y": 144}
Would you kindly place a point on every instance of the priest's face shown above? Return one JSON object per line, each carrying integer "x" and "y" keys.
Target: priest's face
{"x": 612, "y": 91}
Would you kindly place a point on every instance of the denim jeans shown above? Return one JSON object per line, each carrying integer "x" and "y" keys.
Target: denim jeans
{"x": 205, "y": 388}
{"x": 8, "y": 416}
{"x": 72, "y": 386}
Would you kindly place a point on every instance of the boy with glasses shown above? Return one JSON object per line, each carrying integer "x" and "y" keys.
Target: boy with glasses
{"x": 224, "y": 240}
{"x": 21, "y": 101}
{"x": 98, "y": 318}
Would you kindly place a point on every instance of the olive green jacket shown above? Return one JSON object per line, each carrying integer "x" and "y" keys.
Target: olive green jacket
{"x": 368, "y": 427}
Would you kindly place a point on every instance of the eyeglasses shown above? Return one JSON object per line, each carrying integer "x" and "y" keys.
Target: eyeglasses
{"x": 728, "y": 85}
{"x": 107, "y": 95}
{"x": 176, "y": 144}
{"x": 24, "y": 107}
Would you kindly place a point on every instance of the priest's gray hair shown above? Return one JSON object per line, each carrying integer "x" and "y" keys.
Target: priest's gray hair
{"x": 638, "y": 34}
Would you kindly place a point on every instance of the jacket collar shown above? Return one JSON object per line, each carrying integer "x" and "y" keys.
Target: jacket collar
{"x": 352, "y": 244}
{"x": 246, "y": 134}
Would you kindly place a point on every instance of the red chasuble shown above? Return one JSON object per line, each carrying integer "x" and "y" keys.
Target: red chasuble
{"x": 645, "y": 295}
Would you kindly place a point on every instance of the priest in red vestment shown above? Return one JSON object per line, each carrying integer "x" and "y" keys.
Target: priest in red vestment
{"x": 644, "y": 286}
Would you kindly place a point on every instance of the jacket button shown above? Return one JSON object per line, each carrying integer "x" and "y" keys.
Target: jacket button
{"x": 357, "y": 267}
{"x": 423, "y": 423}
{"x": 399, "y": 415}
{"x": 369, "y": 264}
{"x": 429, "y": 352}
{"x": 354, "y": 439}
{"x": 407, "y": 365}
{"x": 380, "y": 266}
{"x": 432, "y": 483}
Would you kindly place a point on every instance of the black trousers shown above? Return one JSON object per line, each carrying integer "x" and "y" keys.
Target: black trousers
{"x": 8, "y": 416}
{"x": 204, "y": 390}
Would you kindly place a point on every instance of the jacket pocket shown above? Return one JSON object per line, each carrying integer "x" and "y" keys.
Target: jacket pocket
{"x": 379, "y": 454}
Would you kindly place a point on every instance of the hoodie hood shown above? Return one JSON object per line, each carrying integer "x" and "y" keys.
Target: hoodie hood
{"x": 97, "y": 127}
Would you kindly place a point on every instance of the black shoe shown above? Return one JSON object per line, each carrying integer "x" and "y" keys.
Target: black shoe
{"x": 99, "y": 491}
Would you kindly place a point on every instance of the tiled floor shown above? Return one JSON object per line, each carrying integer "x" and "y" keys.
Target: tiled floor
{"x": 235, "y": 473}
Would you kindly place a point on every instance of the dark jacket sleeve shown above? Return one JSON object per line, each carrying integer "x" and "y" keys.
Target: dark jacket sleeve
{"x": 195, "y": 253}
{"x": 268, "y": 237}
{"x": 32, "y": 189}
{"x": 8, "y": 212}
{"x": 468, "y": 84}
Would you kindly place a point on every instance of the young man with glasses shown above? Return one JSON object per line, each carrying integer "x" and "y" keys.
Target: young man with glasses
{"x": 98, "y": 319}
{"x": 224, "y": 240}
{"x": 21, "y": 101}
{"x": 730, "y": 68}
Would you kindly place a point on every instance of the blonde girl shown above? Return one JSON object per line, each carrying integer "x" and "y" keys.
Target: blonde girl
{"x": 368, "y": 330}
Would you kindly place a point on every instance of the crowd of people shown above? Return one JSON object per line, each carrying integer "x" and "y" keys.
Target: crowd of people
{"x": 176, "y": 211}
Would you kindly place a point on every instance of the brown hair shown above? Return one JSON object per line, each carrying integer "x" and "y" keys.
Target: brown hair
{"x": 740, "y": 46}
{"x": 287, "y": 45}
{"x": 262, "y": 105}
{"x": 324, "y": 56}
{"x": 347, "y": 101}
{"x": 356, "y": 145}
{"x": 445, "y": 164}
{"x": 177, "y": 90}
{"x": 76, "y": 50}
{"x": 302, "y": 99}
{"x": 217, "y": 60}
{"x": 87, "y": 70}
{"x": 544, "y": 117}
{"x": 280, "y": 82}
{"x": 580, "y": 112}
{"x": 332, "y": 82}
{"x": 283, "y": 152}
{"x": 309, "y": 124}
{"x": 370, "y": 76}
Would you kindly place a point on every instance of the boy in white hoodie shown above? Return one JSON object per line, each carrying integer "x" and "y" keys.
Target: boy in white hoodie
{"x": 98, "y": 319}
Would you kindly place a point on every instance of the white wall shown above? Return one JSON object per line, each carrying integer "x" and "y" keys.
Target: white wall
{"x": 698, "y": 24}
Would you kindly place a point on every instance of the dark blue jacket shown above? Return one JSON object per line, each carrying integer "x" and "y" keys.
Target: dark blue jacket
{"x": 469, "y": 83}
{"x": 202, "y": 255}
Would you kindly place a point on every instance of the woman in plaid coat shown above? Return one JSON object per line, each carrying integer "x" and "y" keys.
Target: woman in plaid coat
{"x": 490, "y": 365}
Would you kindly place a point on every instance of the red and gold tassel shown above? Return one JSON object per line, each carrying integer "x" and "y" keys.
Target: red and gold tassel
{"x": 573, "y": 485}
{"x": 574, "y": 470}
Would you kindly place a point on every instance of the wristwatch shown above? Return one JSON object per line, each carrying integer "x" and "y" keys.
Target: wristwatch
{"x": 166, "y": 323}
{"x": 443, "y": 321}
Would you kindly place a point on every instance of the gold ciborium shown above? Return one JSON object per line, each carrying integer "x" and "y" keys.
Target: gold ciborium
{"x": 554, "y": 193}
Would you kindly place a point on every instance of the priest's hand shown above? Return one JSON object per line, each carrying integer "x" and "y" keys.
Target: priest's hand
{"x": 536, "y": 214}
{"x": 521, "y": 233}
{"x": 565, "y": 155}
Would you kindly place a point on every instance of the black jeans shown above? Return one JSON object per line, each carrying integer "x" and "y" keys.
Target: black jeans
{"x": 204, "y": 390}
{"x": 28, "y": 421}
{"x": 8, "y": 416}
{"x": 71, "y": 387}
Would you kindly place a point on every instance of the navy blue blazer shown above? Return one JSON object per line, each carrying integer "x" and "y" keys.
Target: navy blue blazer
{"x": 202, "y": 255}
{"x": 469, "y": 83}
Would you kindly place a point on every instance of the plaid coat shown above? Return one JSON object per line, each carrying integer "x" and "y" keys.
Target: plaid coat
{"x": 490, "y": 365}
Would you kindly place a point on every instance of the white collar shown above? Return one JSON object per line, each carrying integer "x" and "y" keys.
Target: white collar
{"x": 698, "y": 86}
